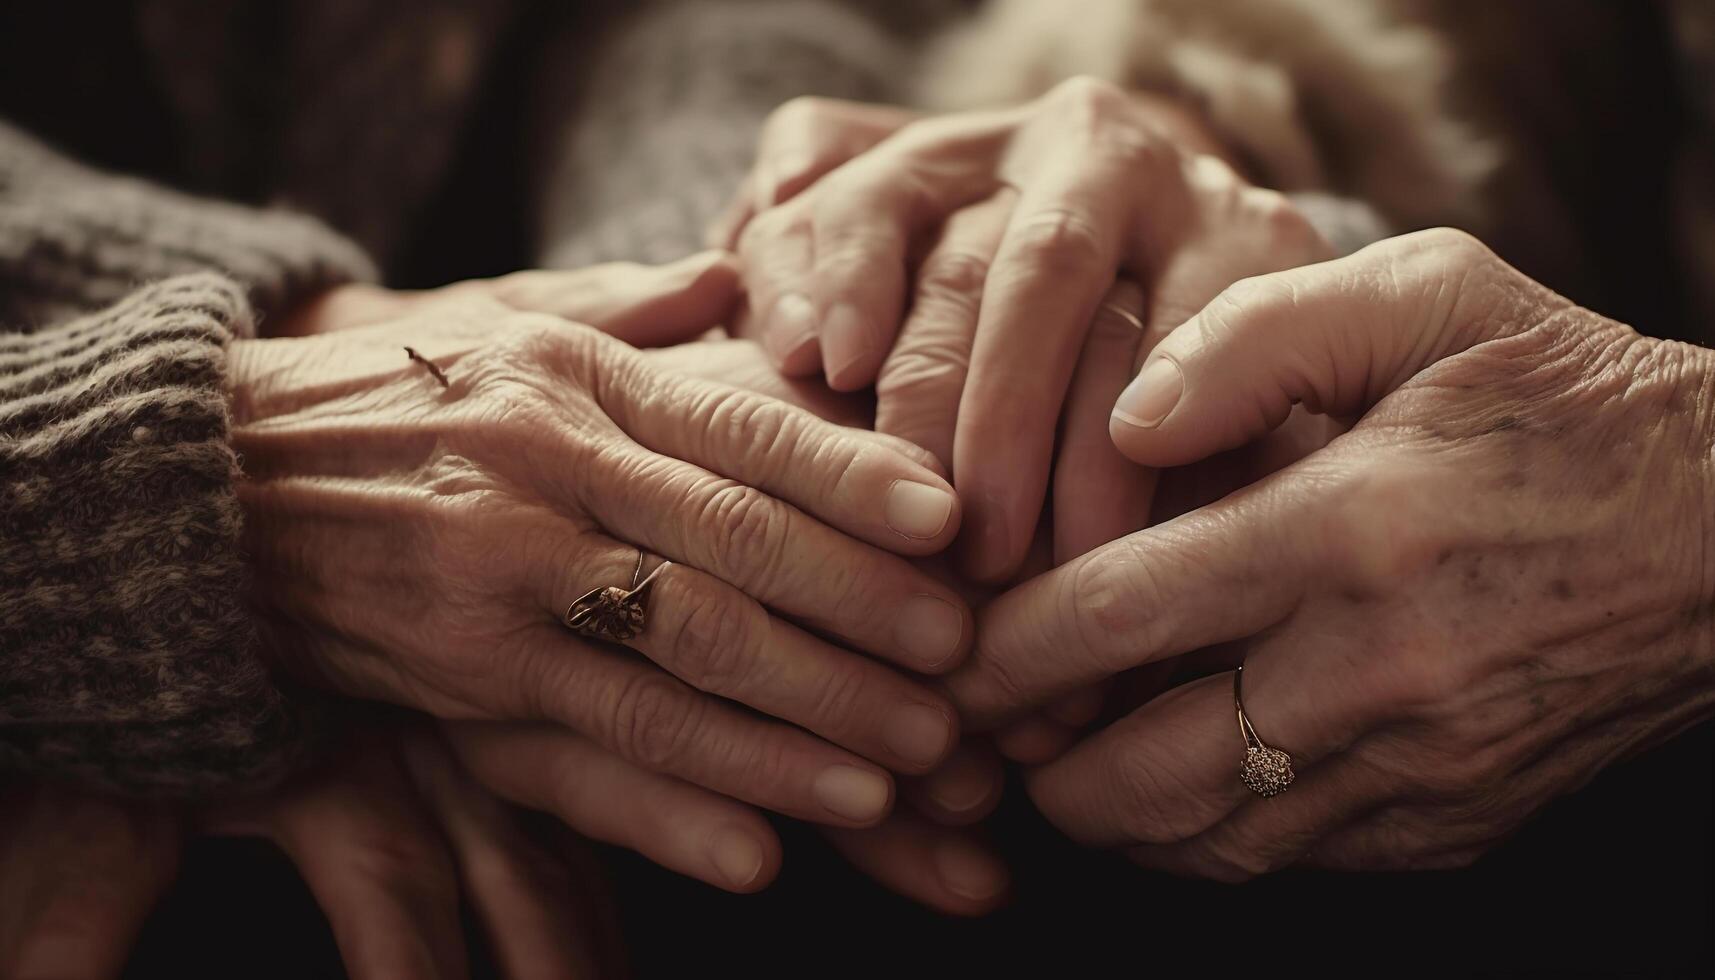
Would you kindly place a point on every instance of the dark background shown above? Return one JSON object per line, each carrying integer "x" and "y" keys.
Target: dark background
{"x": 1616, "y": 878}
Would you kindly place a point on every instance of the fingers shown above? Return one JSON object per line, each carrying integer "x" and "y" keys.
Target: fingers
{"x": 657, "y": 723}
{"x": 1223, "y": 572}
{"x": 721, "y": 641}
{"x": 523, "y": 895}
{"x": 1335, "y": 337}
{"x": 809, "y": 136}
{"x": 375, "y": 863}
{"x": 1053, "y": 266}
{"x": 945, "y": 869}
{"x": 1099, "y": 495}
{"x": 773, "y": 553}
{"x": 779, "y": 251}
{"x": 692, "y": 831}
{"x": 643, "y": 305}
{"x": 963, "y": 789}
{"x": 847, "y": 479}
{"x": 1170, "y": 771}
{"x": 922, "y": 378}
{"x": 1262, "y": 836}
{"x": 79, "y": 875}
{"x": 864, "y": 219}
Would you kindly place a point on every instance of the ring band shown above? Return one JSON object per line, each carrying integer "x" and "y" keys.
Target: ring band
{"x": 612, "y": 613}
{"x": 1126, "y": 315}
{"x": 1266, "y": 771}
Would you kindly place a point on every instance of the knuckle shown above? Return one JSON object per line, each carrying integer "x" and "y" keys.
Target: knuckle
{"x": 1255, "y": 301}
{"x": 749, "y": 532}
{"x": 714, "y": 639}
{"x": 1157, "y": 810}
{"x": 841, "y": 696}
{"x": 1457, "y": 779}
{"x": 1114, "y": 599}
{"x": 1385, "y": 528}
{"x": 796, "y": 115}
{"x": 653, "y": 721}
{"x": 924, "y": 366}
{"x": 955, "y": 276}
{"x": 780, "y": 221}
{"x": 1457, "y": 248}
{"x": 1285, "y": 225}
{"x": 404, "y": 864}
{"x": 1056, "y": 240}
{"x": 1089, "y": 96}
{"x": 742, "y": 419}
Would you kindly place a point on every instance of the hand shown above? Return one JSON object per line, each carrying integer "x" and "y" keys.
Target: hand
{"x": 391, "y": 838}
{"x": 800, "y": 141}
{"x": 417, "y": 544}
{"x": 1493, "y": 586}
{"x": 974, "y": 348}
{"x": 931, "y": 852}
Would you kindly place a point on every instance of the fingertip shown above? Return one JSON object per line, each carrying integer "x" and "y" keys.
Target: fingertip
{"x": 975, "y": 879}
{"x": 936, "y": 631}
{"x": 988, "y": 551}
{"x": 962, "y": 790}
{"x": 743, "y": 861}
{"x": 1034, "y": 741}
{"x": 850, "y": 348}
{"x": 854, "y": 796}
{"x": 924, "y": 515}
{"x": 789, "y": 335}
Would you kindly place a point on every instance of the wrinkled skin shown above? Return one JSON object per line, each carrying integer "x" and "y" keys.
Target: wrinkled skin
{"x": 416, "y": 543}
{"x": 1496, "y": 584}
{"x": 959, "y": 263}
{"x": 975, "y": 247}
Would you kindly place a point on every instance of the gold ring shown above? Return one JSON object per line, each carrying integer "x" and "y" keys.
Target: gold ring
{"x": 1126, "y": 315}
{"x": 610, "y": 612}
{"x": 1266, "y": 771}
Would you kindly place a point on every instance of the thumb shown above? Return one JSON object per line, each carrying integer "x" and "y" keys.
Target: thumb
{"x": 643, "y": 305}
{"x": 1336, "y": 337}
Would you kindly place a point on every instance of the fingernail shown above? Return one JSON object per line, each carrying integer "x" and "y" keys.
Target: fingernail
{"x": 917, "y": 510}
{"x": 1151, "y": 395}
{"x": 737, "y": 856}
{"x": 918, "y": 733}
{"x": 929, "y": 628}
{"x": 791, "y": 324}
{"x": 851, "y": 793}
{"x": 967, "y": 871}
{"x": 961, "y": 784}
{"x": 845, "y": 343}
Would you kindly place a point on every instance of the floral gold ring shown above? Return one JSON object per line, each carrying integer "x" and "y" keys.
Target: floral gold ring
{"x": 1266, "y": 771}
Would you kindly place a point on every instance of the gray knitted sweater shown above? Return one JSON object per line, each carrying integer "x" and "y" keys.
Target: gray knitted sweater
{"x": 125, "y": 648}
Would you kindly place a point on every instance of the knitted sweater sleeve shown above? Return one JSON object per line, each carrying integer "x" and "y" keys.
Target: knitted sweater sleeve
{"x": 648, "y": 133}
{"x": 127, "y": 654}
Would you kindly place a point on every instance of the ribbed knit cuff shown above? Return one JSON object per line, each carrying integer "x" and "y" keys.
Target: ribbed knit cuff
{"x": 127, "y": 651}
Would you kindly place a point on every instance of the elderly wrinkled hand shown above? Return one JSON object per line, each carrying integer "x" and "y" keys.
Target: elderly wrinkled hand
{"x": 1494, "y": 585}
{"x": 959, "y": 263}
{"x": 417, "y": 542}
